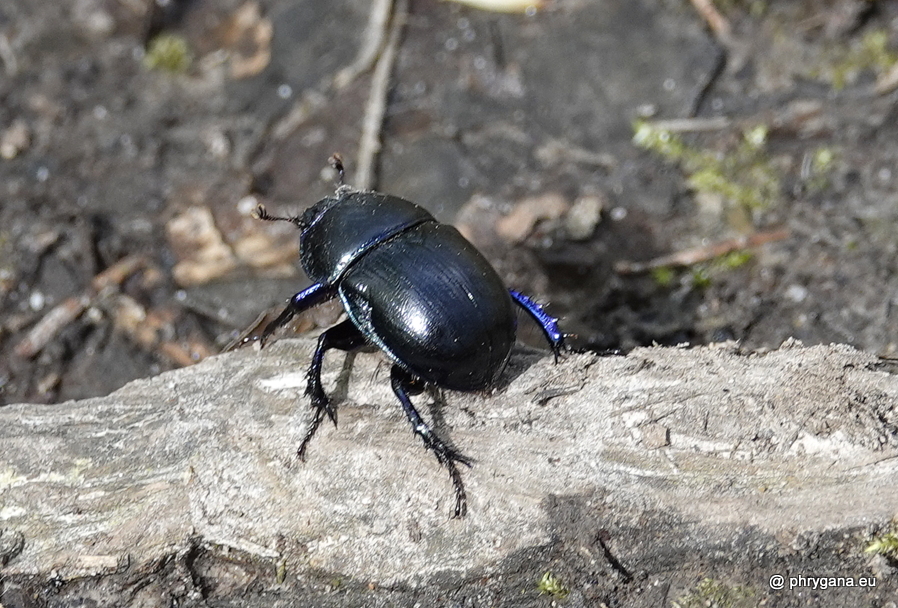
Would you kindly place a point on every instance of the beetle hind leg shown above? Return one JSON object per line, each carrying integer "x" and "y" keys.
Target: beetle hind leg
{"x": 404, "y": 384}
{"x": 344, "y": 336}
{"x": 547, "y": 322}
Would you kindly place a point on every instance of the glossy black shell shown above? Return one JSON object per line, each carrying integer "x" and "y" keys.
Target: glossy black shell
{"x": 414, "y": 287}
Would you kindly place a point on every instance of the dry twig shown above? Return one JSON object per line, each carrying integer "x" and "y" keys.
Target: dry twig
{"x": 369, "y": 144}
{"x": 888, "y": 82}
{"x": 691, "y": 125}
{"x": 688, "y": 257}
{"x": 717, "y": 22}
{"x": 70, "y": 309}
{"x": 374, "y": 36}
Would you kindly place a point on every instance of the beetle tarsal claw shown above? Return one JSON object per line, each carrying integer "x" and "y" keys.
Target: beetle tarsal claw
{"x": 447, "y": 456}
{"x": 331, "y": 412}
{"x": 313, "y": 426}
{"x": 322, "y": 403}
{"x": 461, "y": 498}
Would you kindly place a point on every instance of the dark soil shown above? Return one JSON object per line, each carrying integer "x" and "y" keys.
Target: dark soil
{"x": 103, "y": 158}
{"x": 485, "y": 110}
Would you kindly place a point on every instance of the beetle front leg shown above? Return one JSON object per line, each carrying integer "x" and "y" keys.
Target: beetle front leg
{"x": 300, "y": 302}
{"x": 547, "y": 322}
{"x": 344, "y": 336}
{"x": 405, "y": 384}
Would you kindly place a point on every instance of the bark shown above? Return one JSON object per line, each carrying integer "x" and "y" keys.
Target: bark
{"x": 694, "y": 446}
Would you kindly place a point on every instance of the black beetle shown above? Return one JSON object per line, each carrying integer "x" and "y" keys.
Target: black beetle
{"x": 415, "y": 288}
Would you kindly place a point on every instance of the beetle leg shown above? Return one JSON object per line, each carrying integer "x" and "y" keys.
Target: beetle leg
{"x": 344, "y": 336}
{"x": 300, "y": 302}
{"x": 547, "y": 322}
{"x": 405, "y": 384}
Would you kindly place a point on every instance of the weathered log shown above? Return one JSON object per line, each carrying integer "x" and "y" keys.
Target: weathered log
{"x": 718, "y": 441}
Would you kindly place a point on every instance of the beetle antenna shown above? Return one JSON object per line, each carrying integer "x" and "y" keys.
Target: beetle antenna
{"x": 336, "y": 161}
{"x": 261, "y": 213}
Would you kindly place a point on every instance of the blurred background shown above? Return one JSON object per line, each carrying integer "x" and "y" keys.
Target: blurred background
{"x": 667, "y": 171}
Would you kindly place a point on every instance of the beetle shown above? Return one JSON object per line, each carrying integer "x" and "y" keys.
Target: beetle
{"x": 415, "y": 288}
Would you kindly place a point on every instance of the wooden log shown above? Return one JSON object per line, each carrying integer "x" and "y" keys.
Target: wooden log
{"x": 697, "y": 444}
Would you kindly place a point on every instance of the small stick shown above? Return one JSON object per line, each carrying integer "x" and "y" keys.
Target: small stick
{"x": 688, "y": 257}
{"x": 369, "y": 144}
{"x": 51, "y": 324}
{"x": 116, "y": 274}
{"x": 374, "y": 36}
{"x": 64, "y": 313}
{"x": 691, "y": 125}
{"x": 717, "y": 22}
{"x": 888, "y": 82}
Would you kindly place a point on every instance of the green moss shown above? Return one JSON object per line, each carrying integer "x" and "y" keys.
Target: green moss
{"x": 701, "y": 278}
{"x": 703, "y": 273}
{"x": 824, "y": 159}
{"x": 818, "y": 171}
{"x": 744, "y": 177}
{"x": 665, "y": 143}
{"x": 169, "y": 53}
{"x": 714, "y": 594}
{"x": 734, "y": 259}
{"x": 887, "y": 545}
{"x": 870, "y": 52}
{"x": 549, "y": 584}
{"x": 664, "y": 276}
{"x": 280, "y": 573}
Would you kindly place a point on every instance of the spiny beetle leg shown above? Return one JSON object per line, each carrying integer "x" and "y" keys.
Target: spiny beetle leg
{"x": 344, "y": 336}
{"x": 317, "y": 417}
{"x": 405, "y": 384}
{"x": 547, "y": 322}
{"x": 300, "y": 302}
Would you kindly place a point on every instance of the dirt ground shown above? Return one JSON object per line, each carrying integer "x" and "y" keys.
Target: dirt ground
{"x": 519, "y": 128}
{"x": 577, "y": 146}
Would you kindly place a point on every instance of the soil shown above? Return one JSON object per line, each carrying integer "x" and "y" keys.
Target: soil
{"x": 487, "y": 112}
{"x": 150, "y": 174}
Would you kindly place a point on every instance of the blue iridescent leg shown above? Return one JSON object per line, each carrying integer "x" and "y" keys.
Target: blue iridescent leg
{"x": 547, "y": 322}
{"x": 305, "y": 299}
{"x": 404, "y": 384}
{"x": 300, "y": 302}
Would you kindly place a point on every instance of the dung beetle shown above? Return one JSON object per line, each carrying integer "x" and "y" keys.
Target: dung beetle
{"x": 413, "y": 287}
